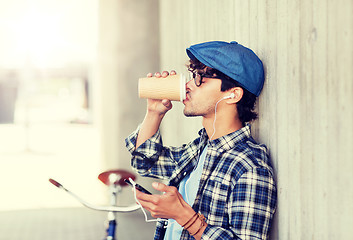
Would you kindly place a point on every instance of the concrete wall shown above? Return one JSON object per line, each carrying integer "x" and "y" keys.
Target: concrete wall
{"x": 305, "y": 109}
{"x": 128, "y": 49}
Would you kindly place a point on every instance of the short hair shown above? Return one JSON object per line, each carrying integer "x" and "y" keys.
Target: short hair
{"x": 245, "y": 106}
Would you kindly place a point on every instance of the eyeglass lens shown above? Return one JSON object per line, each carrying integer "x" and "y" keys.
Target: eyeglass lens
{"x": 197, "y": 78}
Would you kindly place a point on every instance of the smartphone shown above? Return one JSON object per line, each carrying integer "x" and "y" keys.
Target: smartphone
{"x": 137, "y": 186}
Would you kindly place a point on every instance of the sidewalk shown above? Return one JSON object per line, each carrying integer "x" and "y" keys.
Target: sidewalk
{"x": 70, "y": 224}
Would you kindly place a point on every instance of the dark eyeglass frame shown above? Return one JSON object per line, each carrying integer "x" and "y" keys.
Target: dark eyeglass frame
{"x": 198, "y": 77}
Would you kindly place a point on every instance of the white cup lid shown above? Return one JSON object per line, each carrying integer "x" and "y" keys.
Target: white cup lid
{"x": 182, "y": 87}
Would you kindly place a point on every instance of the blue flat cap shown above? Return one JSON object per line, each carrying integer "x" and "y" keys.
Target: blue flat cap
{"x": 232, "y": 59}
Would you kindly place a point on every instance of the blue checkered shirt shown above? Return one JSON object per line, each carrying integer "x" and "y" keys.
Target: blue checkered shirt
{"x": 237, "y": 192}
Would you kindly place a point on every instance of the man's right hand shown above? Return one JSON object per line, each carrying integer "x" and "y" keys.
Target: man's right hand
{"x": 156, "y": 109}
{"x": 155, "y": 106}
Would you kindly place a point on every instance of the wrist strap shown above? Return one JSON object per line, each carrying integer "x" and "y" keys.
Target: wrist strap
{"x": 203, "y": 223}
{"x": 186, "y": 228}
{"x": 189, "y": 220}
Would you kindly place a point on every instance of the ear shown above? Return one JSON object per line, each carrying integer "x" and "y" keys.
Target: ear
{"x": 238, "y": 94}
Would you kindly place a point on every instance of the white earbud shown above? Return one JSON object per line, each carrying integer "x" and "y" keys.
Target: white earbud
{"x": 232, "y": 95}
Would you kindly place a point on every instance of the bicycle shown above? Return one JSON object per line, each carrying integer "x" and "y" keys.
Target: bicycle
{"x": 114, "y": 179}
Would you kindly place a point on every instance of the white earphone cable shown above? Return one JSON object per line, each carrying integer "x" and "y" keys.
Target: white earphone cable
{"x": 215, "y": 118}
{"x": 144, "y": 212}
{"x": 138, "y": 202}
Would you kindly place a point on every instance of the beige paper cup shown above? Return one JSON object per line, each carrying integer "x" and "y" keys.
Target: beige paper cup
{"x": 171, "y": 87}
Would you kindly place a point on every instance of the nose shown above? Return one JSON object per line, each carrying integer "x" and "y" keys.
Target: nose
{"x": 189, "y": 83}
{"x": 188, "y": 86}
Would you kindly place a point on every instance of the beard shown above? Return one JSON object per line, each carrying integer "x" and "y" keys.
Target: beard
{"x": 197, "y": 110}
{"x": 190, "y": 114}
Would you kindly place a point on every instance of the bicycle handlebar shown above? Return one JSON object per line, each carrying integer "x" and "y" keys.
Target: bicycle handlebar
{"x": 95, "y": 207}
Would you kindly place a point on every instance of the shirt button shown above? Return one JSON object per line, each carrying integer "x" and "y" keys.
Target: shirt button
{"x": 184, "y": 174}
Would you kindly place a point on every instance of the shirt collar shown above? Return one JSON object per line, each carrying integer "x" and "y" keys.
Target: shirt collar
{"x": 228, "y": 141}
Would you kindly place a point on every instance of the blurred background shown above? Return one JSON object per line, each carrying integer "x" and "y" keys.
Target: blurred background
{"x": 68, "y": 99}
{"x": 48, "y": 52}
{"x": 50, "y": 123}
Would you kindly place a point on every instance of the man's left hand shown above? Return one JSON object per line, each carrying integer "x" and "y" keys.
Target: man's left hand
{"x": 168, "y": 205}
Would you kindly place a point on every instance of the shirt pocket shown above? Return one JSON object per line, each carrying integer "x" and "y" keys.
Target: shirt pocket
{"x": 214, "y": 201}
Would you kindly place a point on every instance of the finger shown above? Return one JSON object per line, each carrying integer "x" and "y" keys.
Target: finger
{"x": 173, "y": 72}
{"x": 146, "y": 205}
{"x": 165, "y": 74}
{"x": 167, "y": 103}
{"x": 162, "y": 187}
{"x": 144, "y": 197}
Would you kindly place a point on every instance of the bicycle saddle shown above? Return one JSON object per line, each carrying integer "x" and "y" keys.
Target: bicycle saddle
{"x": 116, "y": 177}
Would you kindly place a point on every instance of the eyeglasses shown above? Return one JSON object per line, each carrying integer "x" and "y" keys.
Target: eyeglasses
{"x": 198, "y": 77}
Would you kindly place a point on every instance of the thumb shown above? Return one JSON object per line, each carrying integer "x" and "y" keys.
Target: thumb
{"x": 160, "y": 187}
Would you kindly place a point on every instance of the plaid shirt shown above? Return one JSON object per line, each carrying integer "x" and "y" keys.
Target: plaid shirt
{"x": 237, "y": 192}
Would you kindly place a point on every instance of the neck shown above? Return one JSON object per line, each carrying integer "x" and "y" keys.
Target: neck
{"x": 224, "y": 125}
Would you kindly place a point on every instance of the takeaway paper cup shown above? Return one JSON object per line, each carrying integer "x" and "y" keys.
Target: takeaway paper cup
{"x": 171, "y": 87}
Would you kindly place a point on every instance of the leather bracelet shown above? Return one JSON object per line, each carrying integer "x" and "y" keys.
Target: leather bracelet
{"x": 203, "y": 223}
{"x": 186, "y": 228}
{"x": 189, "y": 220}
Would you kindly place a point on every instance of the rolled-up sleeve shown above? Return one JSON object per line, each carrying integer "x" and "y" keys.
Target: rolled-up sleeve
{"x": 151, "y": 158}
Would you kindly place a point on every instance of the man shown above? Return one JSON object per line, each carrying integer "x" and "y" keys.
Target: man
{"x": 221, "y": 185}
